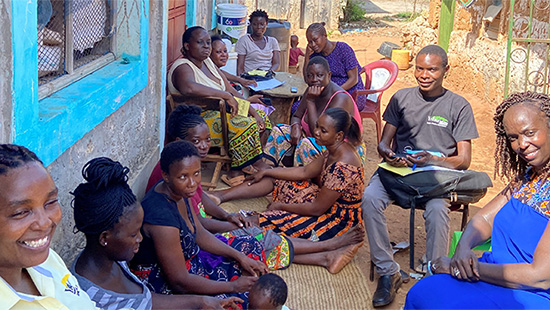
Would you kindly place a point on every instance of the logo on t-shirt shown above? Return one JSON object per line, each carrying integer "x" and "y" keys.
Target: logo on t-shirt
{"x": 438, "y": 121}
{"x": 69, "y": 287}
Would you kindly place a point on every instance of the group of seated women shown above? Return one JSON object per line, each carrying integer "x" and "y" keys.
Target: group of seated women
{"x": 198, "y": 75}
{"x": 158, "y": 254}
{"x": 154, "y": 254}
{"x": 178, "y": 248}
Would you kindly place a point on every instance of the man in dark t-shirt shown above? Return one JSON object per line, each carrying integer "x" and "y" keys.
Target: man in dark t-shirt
{"x": 423, "y": 118}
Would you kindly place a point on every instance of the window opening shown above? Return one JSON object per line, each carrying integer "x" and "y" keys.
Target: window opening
{"x": 75, "y": 38}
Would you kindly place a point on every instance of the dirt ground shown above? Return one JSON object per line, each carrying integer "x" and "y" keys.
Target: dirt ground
{"x": 365, "y": 45}
{"x": 386, "y": 7}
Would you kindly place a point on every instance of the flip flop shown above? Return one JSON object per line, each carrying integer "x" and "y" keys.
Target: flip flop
{"x": 232, "y": 182}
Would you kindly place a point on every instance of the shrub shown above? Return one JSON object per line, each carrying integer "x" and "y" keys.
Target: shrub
{"x": 353, "y": 12}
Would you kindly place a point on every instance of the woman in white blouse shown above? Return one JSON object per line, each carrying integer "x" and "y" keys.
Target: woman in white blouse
{"x": 256, "y": 51}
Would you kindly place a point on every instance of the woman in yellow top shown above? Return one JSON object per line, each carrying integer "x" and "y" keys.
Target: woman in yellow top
{"x": 32, "y": 275}
{"x": 195, "y": 75}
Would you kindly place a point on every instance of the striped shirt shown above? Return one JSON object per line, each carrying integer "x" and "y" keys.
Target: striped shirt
{"x": 109, "y": 300}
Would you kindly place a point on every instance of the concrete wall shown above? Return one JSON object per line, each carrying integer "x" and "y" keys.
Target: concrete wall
{"x": 130, "y": 135}
{"x": 203, "y": 11}
{"x": 478, "y": 63}
{"x": 291, "y": 10}
{"x": 5, "y": 74}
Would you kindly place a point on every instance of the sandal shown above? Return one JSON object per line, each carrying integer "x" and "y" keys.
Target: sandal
{"x": 423, "y": 267}
{"x": 232, "y": 182}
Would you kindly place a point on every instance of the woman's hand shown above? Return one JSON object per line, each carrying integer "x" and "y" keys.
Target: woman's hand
{"x": 236, "y": 219}
{"x": 253, "y": 267}
{"x": 254, "y": 178}
{"x": 247, "y": 83}
{"x": 255, "y": 99}
{"x": 441, "y": 265}
{"x": 233, "y": 104}
{"x": 209, "y": 303}
{"x": 309, "y": 50}
{"x": 295, "y": 133}
{"x": 314, "y": 91}
{"x": 464, "y": 265}
{"x": 250, "y": 221}
{"x": 243, "y": 284}
{"x": 261, "y": 123}
{"x": 275, "y": 205}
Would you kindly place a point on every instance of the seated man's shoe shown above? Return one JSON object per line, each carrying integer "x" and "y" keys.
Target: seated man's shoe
{"x": 386, "y": 289}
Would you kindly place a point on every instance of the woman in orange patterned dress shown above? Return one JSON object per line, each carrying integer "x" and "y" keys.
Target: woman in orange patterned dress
{"x": 318, "y": 201}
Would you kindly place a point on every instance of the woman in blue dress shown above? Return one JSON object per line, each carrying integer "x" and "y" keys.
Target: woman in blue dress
{"x": 516, "y": 273}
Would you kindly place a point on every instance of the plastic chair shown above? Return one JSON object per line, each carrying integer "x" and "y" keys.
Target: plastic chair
{"x": 379, "y": 76}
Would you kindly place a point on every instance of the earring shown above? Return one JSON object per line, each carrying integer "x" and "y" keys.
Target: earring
{"x": 104, "y": 243}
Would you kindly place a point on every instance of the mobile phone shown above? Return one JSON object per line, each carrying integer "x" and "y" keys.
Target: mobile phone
{"x": 293, "y": 89}
{"x": 399, "y": 155}
{"x": 266, "y": 101}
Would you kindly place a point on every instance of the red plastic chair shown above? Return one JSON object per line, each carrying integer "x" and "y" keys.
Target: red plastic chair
{"x": 379, "y": 76}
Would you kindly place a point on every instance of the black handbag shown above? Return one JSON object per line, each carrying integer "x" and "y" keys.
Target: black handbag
{"x": 415, "y": 189}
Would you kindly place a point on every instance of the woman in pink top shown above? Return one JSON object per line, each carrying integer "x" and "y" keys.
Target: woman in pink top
{"x": 296, "y": 141}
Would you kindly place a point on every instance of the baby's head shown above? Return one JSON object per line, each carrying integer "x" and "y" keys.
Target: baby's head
{"x": 294, "y": 41}
{"x": 269, "y": 292}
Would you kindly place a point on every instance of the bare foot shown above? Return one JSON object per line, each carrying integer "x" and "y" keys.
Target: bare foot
{"x": 338, "y": 259}
{"x": 354, "y": 235}
{"x": 214, "y": 197}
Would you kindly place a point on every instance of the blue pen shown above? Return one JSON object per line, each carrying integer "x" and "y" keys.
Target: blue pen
{"x": 414, "y": 165}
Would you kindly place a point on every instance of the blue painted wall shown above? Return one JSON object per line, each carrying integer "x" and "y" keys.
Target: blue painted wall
{"x": 50, "y": 126}
{"x": 190, "y": 13}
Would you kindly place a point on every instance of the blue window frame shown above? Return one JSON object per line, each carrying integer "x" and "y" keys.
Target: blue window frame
{"x": 52, "y": 125}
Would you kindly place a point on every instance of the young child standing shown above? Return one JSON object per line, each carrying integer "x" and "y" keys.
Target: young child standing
{"x": 294, "y": 54}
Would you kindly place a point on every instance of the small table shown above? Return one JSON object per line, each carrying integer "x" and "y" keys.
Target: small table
{"x": 281, "y": 97}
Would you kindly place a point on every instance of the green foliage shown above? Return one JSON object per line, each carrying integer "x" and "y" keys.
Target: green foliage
{"x": 402, "y": 16}
{"x": 353, "y": 12}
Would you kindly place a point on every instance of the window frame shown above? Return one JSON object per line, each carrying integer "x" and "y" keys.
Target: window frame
{"x": 74, "y": 74}
{"x": 51, "y": 125}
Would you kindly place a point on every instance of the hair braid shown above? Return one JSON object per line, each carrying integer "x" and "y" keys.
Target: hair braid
{"x": 507, "y": 161}
{"x": 318, "y": 28}
{"x": 13, "y": 156}
{"x": 101, "y": 201}
{"x": 182, "y": 119}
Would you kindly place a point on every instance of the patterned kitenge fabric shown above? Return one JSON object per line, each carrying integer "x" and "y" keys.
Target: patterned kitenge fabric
{"x": 278, "y": 145}
{"x": 216, "y": 268}
{"x": 346, "y": 179}
{"x": 244, "y": 140}
{"x": 535, "y": 193}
